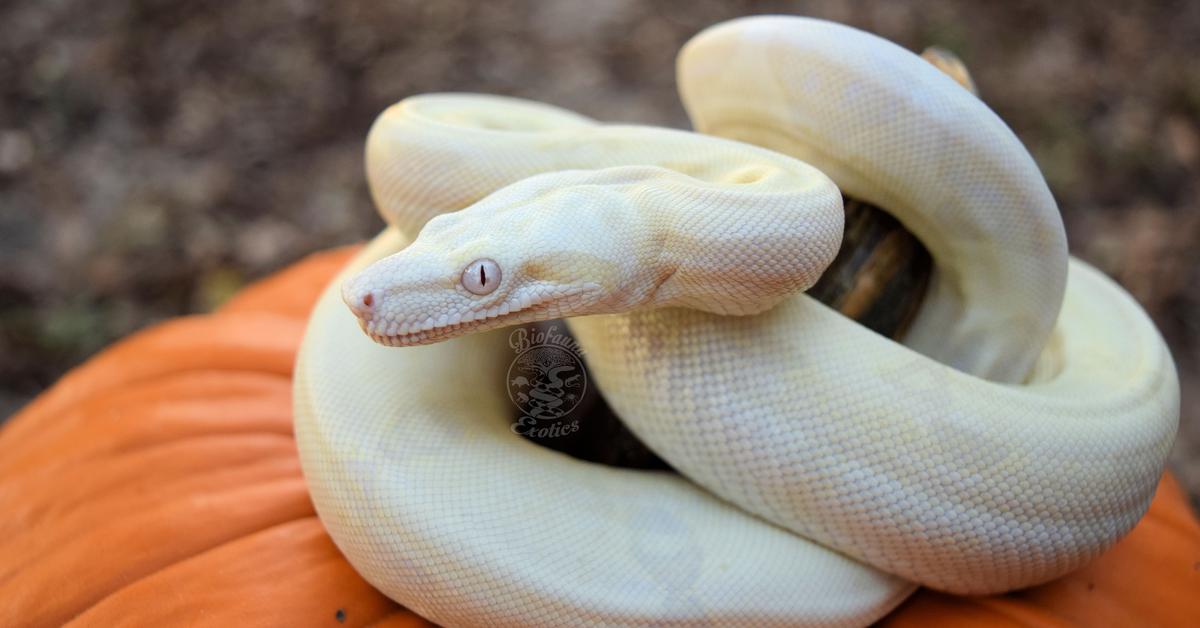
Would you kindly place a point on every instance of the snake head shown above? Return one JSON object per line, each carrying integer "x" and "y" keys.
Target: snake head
{"x": 479, "y": 269}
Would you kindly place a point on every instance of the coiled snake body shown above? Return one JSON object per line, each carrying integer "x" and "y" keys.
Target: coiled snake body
{"x": 1017, "y": 433}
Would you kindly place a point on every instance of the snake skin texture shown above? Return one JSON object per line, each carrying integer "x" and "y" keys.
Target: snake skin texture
{"x": 824, "y": 470}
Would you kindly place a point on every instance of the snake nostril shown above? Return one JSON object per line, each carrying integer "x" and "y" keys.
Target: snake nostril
{"x": 361, "y": 302}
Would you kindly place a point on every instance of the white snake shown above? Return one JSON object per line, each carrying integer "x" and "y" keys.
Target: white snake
{"x": 824, "y": 468}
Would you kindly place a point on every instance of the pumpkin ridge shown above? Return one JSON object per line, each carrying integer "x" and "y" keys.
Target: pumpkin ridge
{"x": 205, "y": 341}
{"x": 188, "y": 481}
{"x": 39, "y": 590}
{"x": 306, "y": 535}
{"x": 125, "y": 401}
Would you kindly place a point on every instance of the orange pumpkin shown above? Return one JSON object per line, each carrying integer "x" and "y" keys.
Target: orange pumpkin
{"x": 158, "y": 483}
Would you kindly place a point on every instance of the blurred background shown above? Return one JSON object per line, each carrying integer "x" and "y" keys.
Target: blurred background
{"x": 156, "y": 155}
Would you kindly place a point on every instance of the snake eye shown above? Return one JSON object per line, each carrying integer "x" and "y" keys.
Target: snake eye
{"x": 481, "y": 276}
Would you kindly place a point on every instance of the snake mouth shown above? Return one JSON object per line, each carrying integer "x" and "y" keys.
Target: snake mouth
{"x": 430, "y": 336}
{"x": 558, "y": 305}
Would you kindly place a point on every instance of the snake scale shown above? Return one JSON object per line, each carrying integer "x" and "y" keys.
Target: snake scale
{"x": 1017, "y": 431}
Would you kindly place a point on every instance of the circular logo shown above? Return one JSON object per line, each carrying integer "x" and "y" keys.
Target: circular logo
{"x": 546, "y": 381}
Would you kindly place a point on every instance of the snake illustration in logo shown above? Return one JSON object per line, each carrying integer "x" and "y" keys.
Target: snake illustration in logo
{"x": 546, "y": 382}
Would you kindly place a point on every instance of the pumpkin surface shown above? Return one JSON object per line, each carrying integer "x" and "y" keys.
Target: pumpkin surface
{"x": 158, "y": 484}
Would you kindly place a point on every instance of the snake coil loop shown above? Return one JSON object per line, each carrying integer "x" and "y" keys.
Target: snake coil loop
{"x": 1017, "y": 432}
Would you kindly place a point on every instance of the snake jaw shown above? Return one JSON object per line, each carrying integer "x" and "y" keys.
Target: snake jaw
{"x": 531, "y": 304}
